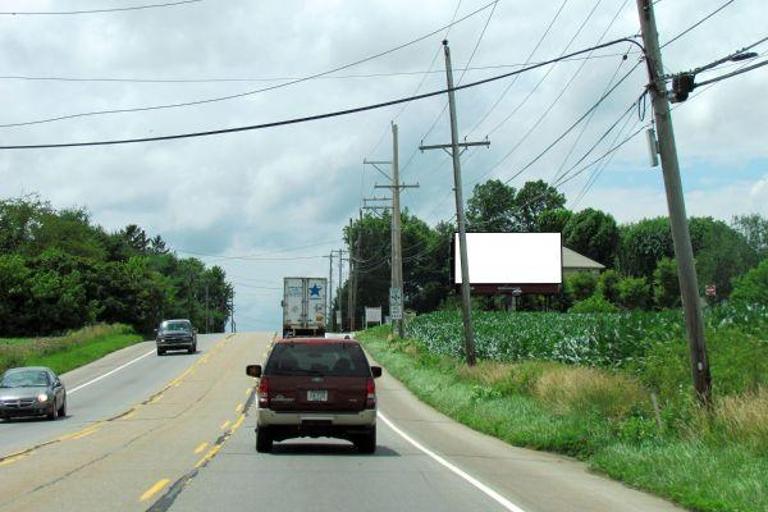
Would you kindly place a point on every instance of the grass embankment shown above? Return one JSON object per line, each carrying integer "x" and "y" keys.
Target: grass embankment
{"x": 604, "y": 415}
{"x": 66, "y": 353}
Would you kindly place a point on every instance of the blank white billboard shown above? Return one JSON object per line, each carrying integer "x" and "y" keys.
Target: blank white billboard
{"x": 511, "y": 258}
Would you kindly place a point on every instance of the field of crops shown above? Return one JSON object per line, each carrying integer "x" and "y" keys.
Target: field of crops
{"x": 600, "y": 339}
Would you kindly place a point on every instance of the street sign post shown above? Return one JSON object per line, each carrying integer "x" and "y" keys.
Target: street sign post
{"x": 396, "y": 303}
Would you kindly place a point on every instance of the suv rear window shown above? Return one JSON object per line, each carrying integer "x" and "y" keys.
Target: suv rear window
{"x": 333, "y": 359}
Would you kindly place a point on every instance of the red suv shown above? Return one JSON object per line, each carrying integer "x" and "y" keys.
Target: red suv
{"x": 316, "y": 388}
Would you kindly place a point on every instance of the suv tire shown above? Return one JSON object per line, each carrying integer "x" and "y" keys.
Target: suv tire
{"x": 263, "y": 441}
{"x": 192, "y": 349}
{"x": 160, "y": 352}
{"x": 366, "y": 443}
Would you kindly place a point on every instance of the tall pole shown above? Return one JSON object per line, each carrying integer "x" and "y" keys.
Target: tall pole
{"x": 397, "y": 248}
{"x": 207, "y": 310}
{"x": 686, "y": 271}
{"x": 329, "y": 289}
{"x": 350, "y": 281}
{"x": 338, "y": 293}
{"x": 469, "y": 331}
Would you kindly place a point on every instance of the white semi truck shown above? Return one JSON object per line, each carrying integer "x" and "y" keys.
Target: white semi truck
{"x": 304, "y": 306}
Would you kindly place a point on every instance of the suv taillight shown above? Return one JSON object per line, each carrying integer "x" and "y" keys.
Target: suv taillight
{"x": 264, "y": 392}
{"x": 370, "y": 394}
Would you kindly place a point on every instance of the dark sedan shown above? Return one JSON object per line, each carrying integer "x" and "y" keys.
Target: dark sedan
{"x": 176, "y": 335}
{"x": 32, "y": 391}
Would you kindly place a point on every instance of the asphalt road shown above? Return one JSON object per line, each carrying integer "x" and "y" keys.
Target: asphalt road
{"x": 174, "y": 433}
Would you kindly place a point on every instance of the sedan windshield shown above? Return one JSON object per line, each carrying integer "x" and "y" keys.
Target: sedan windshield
{"x": 25, "y": 379}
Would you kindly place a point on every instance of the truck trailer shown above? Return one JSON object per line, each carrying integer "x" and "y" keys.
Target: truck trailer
{"x": 304, "y": 306}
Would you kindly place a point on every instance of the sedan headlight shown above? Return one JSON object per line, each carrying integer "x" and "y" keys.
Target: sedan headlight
{"x": 42, "y": 397}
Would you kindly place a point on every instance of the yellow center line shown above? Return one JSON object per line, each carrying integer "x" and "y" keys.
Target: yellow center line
{"x": 11, "y": 460}
{"x": 155, "y": 399}
{"x": 208, "y": 456}
{"x": 248, "y": 390}
{"x": 154, "y": 489}
{"x": 85, "y": 433}
{"x": 129, "y": 415}
{"x": 224, "y": 425}
{"x": 201, "y": 447}
{"x": 239, "y": 408}
{"x": 238, "y": 423}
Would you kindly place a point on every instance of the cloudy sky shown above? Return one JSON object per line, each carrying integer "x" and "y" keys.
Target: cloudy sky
{"x": 269, "y": 203}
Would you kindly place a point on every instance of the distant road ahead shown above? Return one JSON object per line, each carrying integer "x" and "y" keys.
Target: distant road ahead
{"x": 181, "y": 439}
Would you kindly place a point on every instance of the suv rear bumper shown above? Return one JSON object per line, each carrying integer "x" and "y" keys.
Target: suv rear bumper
{"x": 286, "y": 425}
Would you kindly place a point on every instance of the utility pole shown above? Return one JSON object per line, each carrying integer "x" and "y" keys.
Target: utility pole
{"x": 207, "y": 311}
{"x": 338, "y": 293}
{"x": 681, "y": 237}
{"x": 455, "y": 151}
{"x": 352, "y": 279}
{"x": 396, "y": 287}
{"x": 329, "y": 319}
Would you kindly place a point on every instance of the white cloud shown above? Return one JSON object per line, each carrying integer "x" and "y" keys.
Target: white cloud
{"x": 259, "y": 191}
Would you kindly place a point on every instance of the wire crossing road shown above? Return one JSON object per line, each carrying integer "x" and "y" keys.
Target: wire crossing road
{"x": 174, "y": 433}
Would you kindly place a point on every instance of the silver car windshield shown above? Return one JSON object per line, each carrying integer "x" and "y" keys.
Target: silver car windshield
{"x": 25, "y": 379}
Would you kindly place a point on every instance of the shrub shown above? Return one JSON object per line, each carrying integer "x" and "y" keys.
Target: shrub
{"x": 666, "y": 287}
{"x": 752, "y": 287}
{"x": 634, "y": 292}
{"x": 580, "y": 285}
{"x": 594, "y": 304}
{"x": 607, "y": 285}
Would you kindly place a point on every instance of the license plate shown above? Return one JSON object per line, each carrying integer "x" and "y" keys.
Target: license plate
{"x": 317, "y": 395}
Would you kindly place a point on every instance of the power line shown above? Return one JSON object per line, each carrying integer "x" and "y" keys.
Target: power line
{"x": 309, "y": 118}
{"x": 702, "y": 20}
{"x": 246, "y": 93}
{"x": 565, "y": 133}
{"x": 171, "y": 81}
{"x": 546, "y": 75}
{"x": 99, "y": 11}
{"x": 530, "y": 56}
{"x": 732, "y": 74}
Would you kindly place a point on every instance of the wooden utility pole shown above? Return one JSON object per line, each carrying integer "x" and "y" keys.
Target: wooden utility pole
{"x": 351, "y": 282}
{"x": 686, "y": 271}
{"x": 396, "y": 298}
{"x": 455, "y": 149}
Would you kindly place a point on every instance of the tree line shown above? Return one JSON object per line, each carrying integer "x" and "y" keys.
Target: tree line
{"x": 639, "y": 257}
{"x": 59, "y": 271}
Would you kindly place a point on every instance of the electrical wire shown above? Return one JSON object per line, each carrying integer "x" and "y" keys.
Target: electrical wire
{"x": 194, "y": 81}
{"x": 309, "y": 118}
{"x": 702, "y": 20}
{"x": 99, "y": 11}
{"x": 251, "y": 92}
{"x": 731, "y": 74}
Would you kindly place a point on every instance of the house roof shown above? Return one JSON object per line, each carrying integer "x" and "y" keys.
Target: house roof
{"x": 574, "y": 260}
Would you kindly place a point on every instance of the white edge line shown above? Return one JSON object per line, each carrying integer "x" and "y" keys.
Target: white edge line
{"x": 97, "y": 379}
{"x": 498, "y": 498}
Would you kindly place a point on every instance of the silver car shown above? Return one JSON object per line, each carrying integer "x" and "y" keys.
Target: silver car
{"x": 32, "y": 391}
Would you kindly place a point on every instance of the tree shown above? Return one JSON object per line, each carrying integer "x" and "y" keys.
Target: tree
{"x": 580, "y": 285}
{"x": 594, "y": 304}
{"x": 634, "y": 293}
{"x": 491, "y": 208}
{"x": 594, "y": 234}
{"x": 752, "y": 287}
{"x": 666, "y": 286}
{"x": 754, "y": 228}
{"x": 532, "y": 200}
{"x": 554, "y": 221}
{"x": 608, "y": 284}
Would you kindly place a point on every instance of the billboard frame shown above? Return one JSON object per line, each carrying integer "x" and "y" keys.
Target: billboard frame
{"x": 511, "y": 289}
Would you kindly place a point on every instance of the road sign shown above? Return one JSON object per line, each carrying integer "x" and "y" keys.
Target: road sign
{"x": 711, "y": 290}
{"x": 372, "y": 315}
{"x": 396, "y": 303}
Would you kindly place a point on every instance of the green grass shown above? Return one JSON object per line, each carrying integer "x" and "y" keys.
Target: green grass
{"x": 65, "y": 353}
{"x": 692, "y": 459}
